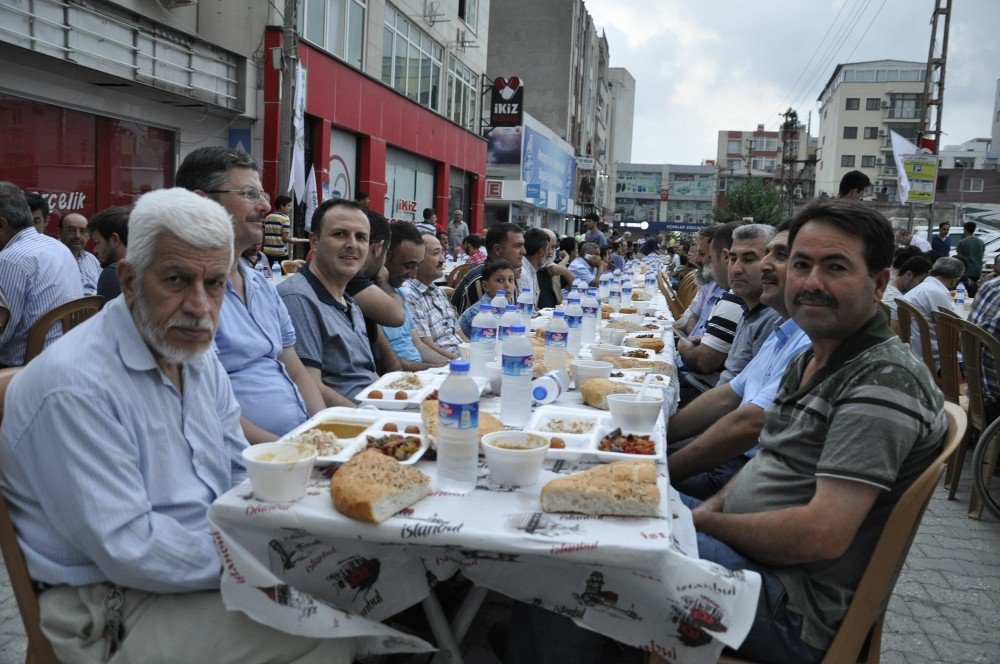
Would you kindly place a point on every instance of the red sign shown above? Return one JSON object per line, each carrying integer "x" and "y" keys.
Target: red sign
{"x": 494, "y": 188}
{"x": 403, "y": 205}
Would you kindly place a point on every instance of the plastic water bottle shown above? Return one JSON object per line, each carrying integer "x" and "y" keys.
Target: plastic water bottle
{"x": 549, "y": 386}
{"x": 556, "y": 338}
{"x": 265, "y": 271}
{"x": 591, "y": 314}
{"x": 458, "y": 430}
{"x": 275, "y": 271}
{"x": 526, "y": 305}
{"x": 484, "y": 339}
{"x": 515, "y": 385}
{"x": 959, "y": 296}
{"x": 604, "y": 286}
{"x": 650, "y": 283}
{"x": 499, "y": 303}
{"x": 574, "y": 321}
{"x": 627, "y": 290}
{"x": 615, "y": 295}
{"x": 509, "y": 319}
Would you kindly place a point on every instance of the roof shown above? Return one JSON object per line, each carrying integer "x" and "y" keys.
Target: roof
{"x": 865, "y": 62}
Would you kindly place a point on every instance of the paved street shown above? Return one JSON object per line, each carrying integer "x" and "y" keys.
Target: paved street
{"x": 946, "y": 607}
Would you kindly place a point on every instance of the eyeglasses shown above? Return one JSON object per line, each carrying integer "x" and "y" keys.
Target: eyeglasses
{"x": 251, "y": 194}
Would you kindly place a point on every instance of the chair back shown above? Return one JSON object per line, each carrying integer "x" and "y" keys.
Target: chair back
{"x": 859, "y": 638}
{"x": 663, "y": 283}
{"x": 39, "y": 648}
{"x": 980, "y": 353}
{"x": 911, "y": 313}
{"x": 457, "y": 274}
{"x": 290, "y": 266}
{"x": 70, "y": 314}
{"x": 686, "y": 291}
{"x": 885, "y": 309}
{"x": 948, "y": 327}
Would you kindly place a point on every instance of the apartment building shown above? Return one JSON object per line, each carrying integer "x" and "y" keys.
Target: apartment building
{"x": 664, "y": 197}
{"x": 860, "y": 104}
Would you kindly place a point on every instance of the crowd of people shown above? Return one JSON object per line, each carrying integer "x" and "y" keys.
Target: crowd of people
{"x": 803, "y": 416}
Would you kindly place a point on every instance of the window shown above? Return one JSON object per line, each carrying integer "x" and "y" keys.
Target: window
{"x": 763, "y": 163}
{"x": 972, "y": 185}
{"x": 462, "y": 95}
{"x": 847, "y": 160}
{"x": 411, "y": 60}
{"x": 335, "y": 25}
{"x": 873, "y": 104}
{"x": 868, "y": 161}
{"x": 871, "y": 132}
{"x": 765, "y": 144}
{"x": 942, "y": 183}
{"x": 850, "y": 132}
{"x": 853, "y": 103}
{"x": 734, "y": 146}
{"x": 906, "y": 106}
{"x": 733, "y": 164}
{"x": 468, "y": 11}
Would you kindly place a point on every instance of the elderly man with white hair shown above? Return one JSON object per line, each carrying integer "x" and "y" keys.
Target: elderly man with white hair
{"x": 114, "y": 443}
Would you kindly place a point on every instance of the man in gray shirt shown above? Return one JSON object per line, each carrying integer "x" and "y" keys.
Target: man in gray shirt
{"x": 330, "y": 336}
{"x": 458, "y": 230}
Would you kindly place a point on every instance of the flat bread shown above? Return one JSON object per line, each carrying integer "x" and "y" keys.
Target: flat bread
{"x": 372, "y": 487}
{"x": 654, "y": 344}
{"x": 627, "y": 325}
{"x": 622, "y": 488}
{"x": 655, "y": 366}
{"x": 429, "y": 418}
{"x": 596, "y": 390}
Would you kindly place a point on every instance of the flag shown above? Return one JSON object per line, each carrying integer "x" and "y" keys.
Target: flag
{"x": 902, "y": 147}
{"x": 309, "y": 197}
{"x": 297, "y": 167}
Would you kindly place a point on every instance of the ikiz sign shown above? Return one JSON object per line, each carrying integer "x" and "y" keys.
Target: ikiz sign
{"x": 507, "y": 102}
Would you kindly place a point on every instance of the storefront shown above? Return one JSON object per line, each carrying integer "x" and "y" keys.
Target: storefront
{"x": 365, "y": 136}
{"x": 78, "y": 161}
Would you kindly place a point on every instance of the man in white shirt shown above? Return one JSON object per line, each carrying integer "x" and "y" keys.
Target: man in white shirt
{"x": 913, "y": 271}
{"x": 933, "y": 293}
{"x": 74, "y": 234}
{"x": 536, "y": 250}
{"x": 588, "y": 266}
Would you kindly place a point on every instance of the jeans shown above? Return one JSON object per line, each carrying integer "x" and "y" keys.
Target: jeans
{"x": 705, "y": 485}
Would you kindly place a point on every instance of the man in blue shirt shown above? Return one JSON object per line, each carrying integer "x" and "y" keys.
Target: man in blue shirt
{"x": 145, "y": 428}
{"x": 588, "y": 265}
{"x": 37, "y": 273}
{"x": 727, "y": 419}
{"x": 941, "y": 242}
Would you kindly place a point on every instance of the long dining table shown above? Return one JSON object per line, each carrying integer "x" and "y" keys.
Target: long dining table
{"x": 307, "y": 569}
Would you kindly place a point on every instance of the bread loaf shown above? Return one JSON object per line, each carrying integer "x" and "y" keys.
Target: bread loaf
{"x": 655, "y": 366}
{"x": 654, "y": 344}
{"x": 372, "y": 487}
{"x": 596, "y": 390}
{"x": 623, "y": 488}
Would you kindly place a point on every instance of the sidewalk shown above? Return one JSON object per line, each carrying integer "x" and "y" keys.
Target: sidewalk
{"x": 946, "y": 607}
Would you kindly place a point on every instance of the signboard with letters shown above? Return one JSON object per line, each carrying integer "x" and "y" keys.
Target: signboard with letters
{"x": 551, "y": 168}
{"x": 507, "y": 102}
{"x": 921, "y": 171}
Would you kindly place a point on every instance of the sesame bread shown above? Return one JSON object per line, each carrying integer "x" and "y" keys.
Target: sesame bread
{"x": 623, "y": 488}
{"x": 372, "y": 487}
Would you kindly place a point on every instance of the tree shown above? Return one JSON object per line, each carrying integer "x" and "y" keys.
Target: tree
{"x": 752, "y": 199}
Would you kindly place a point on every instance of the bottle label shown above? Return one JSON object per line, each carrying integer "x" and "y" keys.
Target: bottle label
{"x": 484, "y": 335}
{"x": 458, "y": 415}
{"x": 503, "y": 332}
{"x": 525, "y": 309}
{"x": 591, "y": 312}
{"x": 517, "y": 365}
{"x": 555, "y": 339}
{"x": 496, "y": 311}
{"x": 574, "y": 321}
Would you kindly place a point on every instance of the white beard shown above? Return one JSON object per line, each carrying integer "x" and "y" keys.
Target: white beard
{"x": 156, "y": 337}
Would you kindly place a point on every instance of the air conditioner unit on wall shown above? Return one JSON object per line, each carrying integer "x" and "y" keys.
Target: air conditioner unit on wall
{"x": 879, "y": 161}
{"x": 881, "y": 133}
{"x": 678, "y": 217}
{"x": 885, "y": 104}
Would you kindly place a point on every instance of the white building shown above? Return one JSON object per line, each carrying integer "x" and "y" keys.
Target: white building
{"x": 859, "y": 106}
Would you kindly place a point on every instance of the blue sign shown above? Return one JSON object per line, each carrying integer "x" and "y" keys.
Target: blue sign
{"x": 546, "y": 164}
{"x": 533, "y": 191}
{"x": 660, "y": 226}
{"x": 239, "y": 139}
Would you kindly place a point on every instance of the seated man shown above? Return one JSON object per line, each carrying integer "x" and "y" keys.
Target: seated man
{"x": 330, "y": 335}
{"x": 109, "y": 229}
{"x": 806, "y": 512}
{"x": 692, "y": 321}
{"x": 726, "y": 420}
{"x": 588, "y": 266}
{"x": 37, "y": 273}
{"x": 74, "y": 234}
{"x": 434, "y": 319}
{"x": 986, "y": 314}
{"x": 929, "y": 295}
{"x": 911, "y": 273}
{"x": 706, "y": 354}
{"x": 147, "y": 431}
{"x": 758, "y": 320}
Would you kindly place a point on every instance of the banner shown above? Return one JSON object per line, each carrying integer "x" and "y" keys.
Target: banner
{"x": 921, "y": 172}
{"x": 297, "y": 167}
{"x": 900, "y": 148}
{"x": 309, "y": 197}
{"x": 507, "y": 102}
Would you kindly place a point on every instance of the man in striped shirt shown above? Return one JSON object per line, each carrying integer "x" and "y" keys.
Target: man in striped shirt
{"x": 37, "y": 273}
{"x": 74, "y": 234}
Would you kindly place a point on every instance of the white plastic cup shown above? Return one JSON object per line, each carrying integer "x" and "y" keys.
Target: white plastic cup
{"x": 279, "y": 472}
{"x": 519, "y": 461}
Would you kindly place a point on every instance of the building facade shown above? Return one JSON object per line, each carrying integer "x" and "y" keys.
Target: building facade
{"x": 860, "y": 104}
{"x": 664, "y": 197}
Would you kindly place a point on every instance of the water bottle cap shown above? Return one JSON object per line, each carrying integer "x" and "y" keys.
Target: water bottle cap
{"x": 539, "y": 393}
{"x": 459, "y": 366}
{"x": 558, "y": 314}
{"x": 517, "y": 328}
{"x": 485, "y": 306}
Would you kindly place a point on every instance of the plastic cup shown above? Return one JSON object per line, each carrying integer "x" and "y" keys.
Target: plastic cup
{"x": 632, "y": 414}
{"x": 514, "y": 457}
{"x": 279, "y": 472}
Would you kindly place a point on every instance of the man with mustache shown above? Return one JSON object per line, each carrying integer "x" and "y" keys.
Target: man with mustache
{"x": 146, "y": 431}
{"x": 725, "y": 422}
{"x": 692, "y": 322}
{"x": 255, "y": 340}
{"x": 330, "y": 334}
{"x": 855, "y": 420}
{"x": 74, "y": 234}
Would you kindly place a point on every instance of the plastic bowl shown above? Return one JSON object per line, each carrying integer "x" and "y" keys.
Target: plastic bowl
{"x": 515, "y": 457}
{"x": 495, "y": 373}
{"x": 641, "y": 306}
{"x": 632, "y": 414}
{"x": 279, "y": 472}
{"x": 605, "y": 352}
{"x": 586, "y": 369}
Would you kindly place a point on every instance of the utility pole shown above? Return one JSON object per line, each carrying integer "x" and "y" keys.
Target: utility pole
{"x": 289, "y": 60}
{"x": 934, "y": 89}
{"x": 749, "y": 157}
{"x": 789, "y": 152}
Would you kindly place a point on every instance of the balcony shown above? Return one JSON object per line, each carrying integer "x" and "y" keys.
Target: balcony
{"x": 902, "y": 114}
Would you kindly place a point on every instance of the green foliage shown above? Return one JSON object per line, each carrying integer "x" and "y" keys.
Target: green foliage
{"x": 752, "y": 199}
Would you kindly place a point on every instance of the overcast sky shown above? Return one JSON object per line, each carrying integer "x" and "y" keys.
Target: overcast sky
{"x": 701, "y": 67}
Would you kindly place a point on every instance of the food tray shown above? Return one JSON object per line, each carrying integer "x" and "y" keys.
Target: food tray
{"x": 658, "y": 449}
{"x": 413, "y": 397}
{"x": 340, "y": 414}
{"x": 376, "y": 431}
